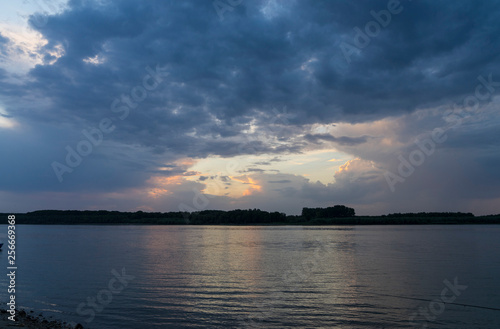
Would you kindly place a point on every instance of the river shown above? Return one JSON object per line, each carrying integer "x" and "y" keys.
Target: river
{"x": 124, "y": 277}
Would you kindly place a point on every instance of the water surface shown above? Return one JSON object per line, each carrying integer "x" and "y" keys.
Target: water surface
{"x": 268, "y": 277}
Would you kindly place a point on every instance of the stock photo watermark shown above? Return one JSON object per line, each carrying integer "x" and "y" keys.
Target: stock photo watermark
{"x": 122, "y": 106}
{"x": 104, "y": 297}
{"x": 437, "y": 306}
{"x": 11, "y": 266}
{"x": 424, "y": 148}
{"x": 44, "y": 8}
{"x": 300, "y": 273}
{"x": 201, "y": 200}
{"x": 362, "y": 37}
{"x": 223, "y": 6}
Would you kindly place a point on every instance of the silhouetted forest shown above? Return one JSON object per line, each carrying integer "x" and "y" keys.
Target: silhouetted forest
{"x": 336, "y": 215}
{"x": 329, "y": 212}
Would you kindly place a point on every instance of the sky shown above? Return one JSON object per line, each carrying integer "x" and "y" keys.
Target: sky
{"x": 383, "y": 106}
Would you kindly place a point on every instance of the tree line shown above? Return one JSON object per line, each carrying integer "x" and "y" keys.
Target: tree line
{"x": 336, "y": 215}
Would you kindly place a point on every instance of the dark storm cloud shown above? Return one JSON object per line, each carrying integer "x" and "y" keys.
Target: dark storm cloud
{"x": 255, "y": 170}
{"x": 343, "y": 140}
{"x": 430, "y": 52}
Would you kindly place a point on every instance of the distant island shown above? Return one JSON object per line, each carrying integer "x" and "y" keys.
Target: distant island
{"x": 336, "y": 215}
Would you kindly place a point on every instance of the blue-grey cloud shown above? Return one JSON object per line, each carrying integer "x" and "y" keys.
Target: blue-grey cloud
{"x": 342, "y": 140}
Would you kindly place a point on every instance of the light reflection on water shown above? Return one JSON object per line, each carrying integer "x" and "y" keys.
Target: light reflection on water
{"x": 268, "y": 277}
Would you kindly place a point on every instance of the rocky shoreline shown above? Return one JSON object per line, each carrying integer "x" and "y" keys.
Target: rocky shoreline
{"x": 31, "y": 321}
